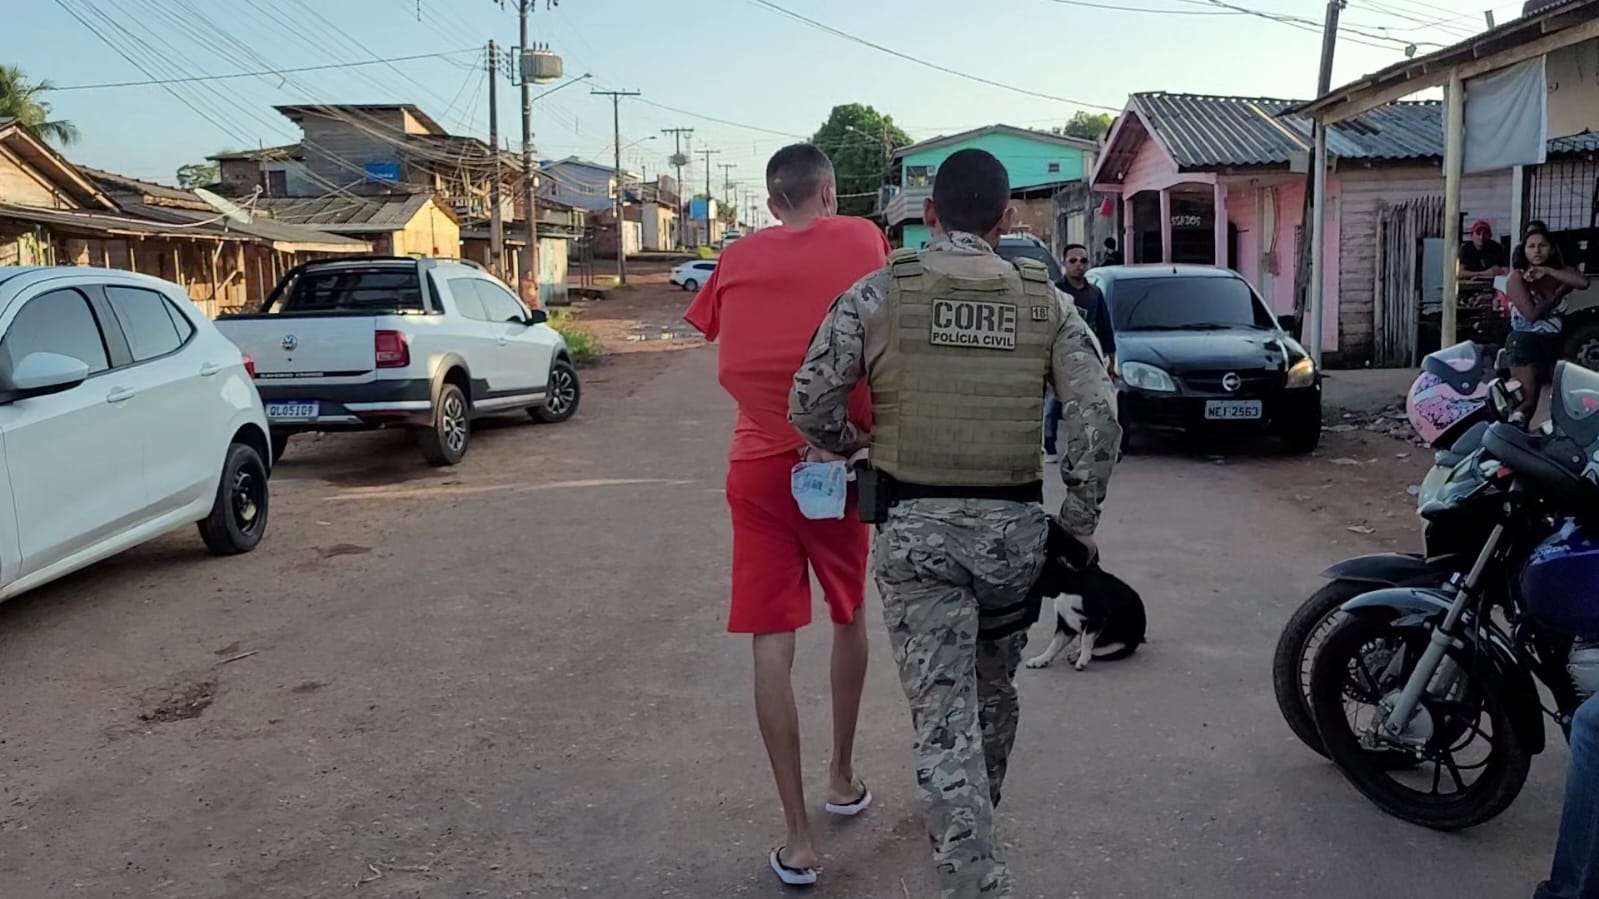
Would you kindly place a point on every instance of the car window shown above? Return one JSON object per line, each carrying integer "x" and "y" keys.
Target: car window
{"x": 152, "y": 326}
{"x": 501, "y": 304}
{"x": 705, "y": 266}
{"x": 1190, "y": 304}
{"x": 61, "y": 321}
{"x": 1008, "y": 250}
{"x": 378, "y": 288}
{"x": 464, "y": 290}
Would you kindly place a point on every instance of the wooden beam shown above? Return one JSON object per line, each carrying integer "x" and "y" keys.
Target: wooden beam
{"x": 1220, "y": 224}
{"x": 1165, "y": 225}
{"x": 1357, "y": 101}
{"x": 1454, "y": 163}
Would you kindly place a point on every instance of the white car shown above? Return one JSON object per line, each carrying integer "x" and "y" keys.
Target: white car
{"x": 123, "y": 415}
{"x": 423, "y": 344}
{"x": 693, "y": 275}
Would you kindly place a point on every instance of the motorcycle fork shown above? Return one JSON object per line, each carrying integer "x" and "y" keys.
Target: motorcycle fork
{"x": 1443, "y": 636}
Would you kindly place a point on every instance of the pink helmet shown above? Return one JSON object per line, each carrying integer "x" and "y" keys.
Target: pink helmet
{"x": 1451, "y": 394}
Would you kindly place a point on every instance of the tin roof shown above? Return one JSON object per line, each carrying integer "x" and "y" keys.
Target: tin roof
{"x": 1203, "y": 131}
{"x": 347, "y": 215}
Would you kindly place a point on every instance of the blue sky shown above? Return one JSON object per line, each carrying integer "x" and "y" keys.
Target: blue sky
{"x": 734, "y": 60}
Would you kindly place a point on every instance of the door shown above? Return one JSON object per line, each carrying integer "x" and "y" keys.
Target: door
{"x": 481, "y": 337}
{"x": 524, "y": 356}
{"x": 75, "y": 458}
{"x": 182, "y": 413}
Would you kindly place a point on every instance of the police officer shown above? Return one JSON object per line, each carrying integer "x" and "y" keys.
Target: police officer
{"x": 957, "y": 345}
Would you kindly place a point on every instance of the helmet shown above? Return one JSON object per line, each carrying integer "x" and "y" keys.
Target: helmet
{"x": 1451, "y": 394}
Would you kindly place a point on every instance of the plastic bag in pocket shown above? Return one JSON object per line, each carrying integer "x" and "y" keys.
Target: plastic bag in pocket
{"x": 820, "y": 488}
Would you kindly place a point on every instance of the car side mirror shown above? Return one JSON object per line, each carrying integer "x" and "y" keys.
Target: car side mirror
{"x": 1290, "y": 323}
{"x": 42, "y": 374}
{"x": 538, "y": 317}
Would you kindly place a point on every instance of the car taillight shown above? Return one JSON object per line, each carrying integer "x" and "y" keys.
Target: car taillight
{"x": 391, "y": 349}
{"x": 249, "y": 366}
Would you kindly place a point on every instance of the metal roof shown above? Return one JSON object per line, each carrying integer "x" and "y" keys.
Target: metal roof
{"x": 1204, "y": 131}
{"x": 944, "y": 140}
{"x": 347, "y": 215}
{"x": 1586, "y": 142}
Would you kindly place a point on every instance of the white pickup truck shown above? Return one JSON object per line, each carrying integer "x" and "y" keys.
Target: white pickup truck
{"x": 423, "y": 344}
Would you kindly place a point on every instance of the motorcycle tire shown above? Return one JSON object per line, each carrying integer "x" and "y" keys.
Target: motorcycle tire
{"x": 1290, "y": 664}
{"x": 1502, "y": 772}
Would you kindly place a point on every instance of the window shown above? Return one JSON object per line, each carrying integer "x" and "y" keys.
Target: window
{"x": 152, "y": 326}
{"x": 464, "y": 290}
{"x": 1187, "y": 304}
{"x": 61, "y": 321}
{"x": 1054, "y": 168}
{"x": 377, "y": 288}
{"x": 277, "y": 183}
{"x": 920, "y": 175}
{"x": 501, "y": 304}
{"x": 705, "y": 266}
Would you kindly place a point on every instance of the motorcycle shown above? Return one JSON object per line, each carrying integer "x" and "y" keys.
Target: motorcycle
{"x": 1454, "y": 423}
{"x": 1445, "y": 678}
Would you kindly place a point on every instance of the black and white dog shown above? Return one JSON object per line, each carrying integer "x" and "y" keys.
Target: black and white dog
{"x": 1092, "y": 606}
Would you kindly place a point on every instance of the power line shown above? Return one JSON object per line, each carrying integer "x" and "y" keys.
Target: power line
{"x": 821, "y": 26}
{"x": 153, "y": 82}
{"x": 1169, "y": 12}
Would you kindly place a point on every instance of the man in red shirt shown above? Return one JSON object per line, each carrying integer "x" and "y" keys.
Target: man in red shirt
{"x": 769, "y": 292}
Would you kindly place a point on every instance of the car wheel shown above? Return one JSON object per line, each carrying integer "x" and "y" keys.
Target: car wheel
{"x": 691, "y": 285}
{"x": 445, "y": 442}
{"x": 565, "y": 392}
{"x": 1302, "y": 431}
{"x": 238, "y": 516}
{"x": 1582, "y": 347}
{"x": 280, "y": 443}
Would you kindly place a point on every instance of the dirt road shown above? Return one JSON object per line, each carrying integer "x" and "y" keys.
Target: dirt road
{"x": 508, "y": 679}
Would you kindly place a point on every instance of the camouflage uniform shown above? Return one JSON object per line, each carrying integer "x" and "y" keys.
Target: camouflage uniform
{"x": 938, "y": 561}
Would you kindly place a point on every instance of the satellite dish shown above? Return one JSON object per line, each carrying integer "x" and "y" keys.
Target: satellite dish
{"x": 232, "y": 210}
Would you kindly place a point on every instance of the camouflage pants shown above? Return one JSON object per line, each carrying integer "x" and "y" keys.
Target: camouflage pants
{"x": 938, "y": 563}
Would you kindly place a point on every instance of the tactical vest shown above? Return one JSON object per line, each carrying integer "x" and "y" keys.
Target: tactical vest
{"x": 958, "y": 394}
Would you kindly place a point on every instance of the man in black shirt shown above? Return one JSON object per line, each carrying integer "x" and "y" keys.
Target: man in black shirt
{"x": 1090, "y": 302}
{"x": 1482, "y": 256}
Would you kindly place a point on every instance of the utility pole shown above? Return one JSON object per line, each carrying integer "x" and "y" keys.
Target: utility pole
{"x": 616, "y": 133}
{"x": 678, "y": 160}
{"x": 530, "y": 202}
{"x": 1312, "y": 329}
{"x": 708, "y": 154}
{"x": 727, "y": 181}
{"x": 496, "y": 226}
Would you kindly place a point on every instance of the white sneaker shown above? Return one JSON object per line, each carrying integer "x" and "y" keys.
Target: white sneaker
{"x": 1051, "y": 457}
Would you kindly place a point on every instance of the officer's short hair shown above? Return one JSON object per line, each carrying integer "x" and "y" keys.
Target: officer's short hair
{"x": 795, "y": 173}
{"x": 970, "y": 192}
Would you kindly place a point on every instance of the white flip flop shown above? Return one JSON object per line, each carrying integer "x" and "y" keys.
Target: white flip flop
{"x": 794, "y": 877}
{"x": 850, "y": 810}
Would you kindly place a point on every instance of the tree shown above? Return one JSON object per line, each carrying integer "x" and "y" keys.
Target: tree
{"x": 20, "y": 100}
{"x": 1086, "y": 125}
{"x": 861, "y": 142}
{"x": 198, "y": 174}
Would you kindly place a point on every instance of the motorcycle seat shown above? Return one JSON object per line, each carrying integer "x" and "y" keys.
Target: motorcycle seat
{"x": 1468, "y": 443}
{"x": 1543, "y": 461}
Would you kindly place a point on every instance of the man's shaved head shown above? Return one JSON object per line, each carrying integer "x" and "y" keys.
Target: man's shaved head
{"x": 796, "y": 174}
{"x": 971, "y": 192}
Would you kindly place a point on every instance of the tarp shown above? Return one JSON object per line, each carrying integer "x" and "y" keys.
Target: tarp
{"x": 1507, "y": 118}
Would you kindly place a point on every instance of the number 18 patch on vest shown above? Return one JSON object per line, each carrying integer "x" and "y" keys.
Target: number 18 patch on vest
{"x": 970, "y": 323}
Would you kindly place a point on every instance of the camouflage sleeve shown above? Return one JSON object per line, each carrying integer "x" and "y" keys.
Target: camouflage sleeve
{"x": 1088, "y": 424}
{"x": 818, "y": 405}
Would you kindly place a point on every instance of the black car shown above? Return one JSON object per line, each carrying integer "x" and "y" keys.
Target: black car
{"x": 1197, "y": 349}
{"x": 1012, "y": 246}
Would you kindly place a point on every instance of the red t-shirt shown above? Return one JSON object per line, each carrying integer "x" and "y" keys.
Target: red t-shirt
{"x": 769, "y": 293}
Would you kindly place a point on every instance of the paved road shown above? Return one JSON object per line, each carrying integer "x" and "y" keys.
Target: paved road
{"x": 508, "y": 680}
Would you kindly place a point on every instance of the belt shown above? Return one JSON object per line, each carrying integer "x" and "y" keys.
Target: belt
{"x": 1021, "y": 493}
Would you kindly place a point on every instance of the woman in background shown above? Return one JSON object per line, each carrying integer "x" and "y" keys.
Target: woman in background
{"x": 1536, "y": 287}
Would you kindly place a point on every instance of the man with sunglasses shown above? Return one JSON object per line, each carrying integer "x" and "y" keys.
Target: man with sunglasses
{"x": 1090, "y": 302}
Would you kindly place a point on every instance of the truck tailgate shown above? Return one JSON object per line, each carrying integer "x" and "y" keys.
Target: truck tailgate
{"x": 305, "y": 346}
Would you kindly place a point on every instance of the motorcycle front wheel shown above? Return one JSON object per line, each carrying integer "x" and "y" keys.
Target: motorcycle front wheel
{"x": 1468, "y": 761}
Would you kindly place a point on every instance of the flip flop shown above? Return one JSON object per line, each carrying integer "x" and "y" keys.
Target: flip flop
{"x": 851, "y": 809}
{"x": 794, "y": 877}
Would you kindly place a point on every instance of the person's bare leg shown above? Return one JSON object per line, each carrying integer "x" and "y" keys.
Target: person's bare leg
{"x": 779, "y": 721}
{"x": 1528, "y": 376}
{"x": 849, "y": 679}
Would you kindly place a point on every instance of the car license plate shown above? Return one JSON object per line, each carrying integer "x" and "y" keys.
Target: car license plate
{"x": 291, "y": 411}
{"x": 1232, "y": 410}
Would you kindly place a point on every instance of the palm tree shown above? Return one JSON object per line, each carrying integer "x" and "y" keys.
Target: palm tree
{"x": 19, "y": 100}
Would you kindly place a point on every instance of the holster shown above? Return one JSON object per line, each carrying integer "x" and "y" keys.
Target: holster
{"x": 873, "y": 494}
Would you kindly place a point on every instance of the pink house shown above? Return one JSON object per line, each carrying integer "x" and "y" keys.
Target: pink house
{"x": 1222, "y": 180}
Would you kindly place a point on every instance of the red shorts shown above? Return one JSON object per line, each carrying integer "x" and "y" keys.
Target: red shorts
{"x": 772, "y": 545}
